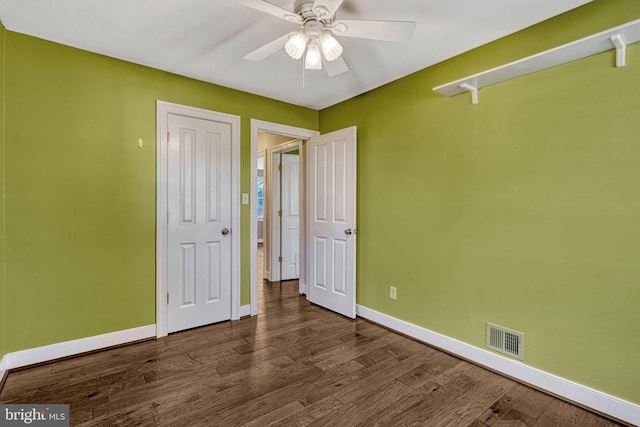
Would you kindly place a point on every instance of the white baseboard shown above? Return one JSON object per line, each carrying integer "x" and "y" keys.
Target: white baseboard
{"x": 3, "y": 369}
{"x": 602, "y": 402}
{"x": 245, "y": 310}
{"x": 32, "y": 356}
{"x": 303, "y": 289}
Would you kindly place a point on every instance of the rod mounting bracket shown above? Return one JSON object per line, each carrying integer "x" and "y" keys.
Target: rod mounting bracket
{"x": 471, "y": 89}
{"x": 621, "y": 49}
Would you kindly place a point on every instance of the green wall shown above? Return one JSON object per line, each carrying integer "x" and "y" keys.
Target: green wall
{"x": 522, "y": 210}
{"x": 80, "y": 194}
{"x": 2, "y": 279}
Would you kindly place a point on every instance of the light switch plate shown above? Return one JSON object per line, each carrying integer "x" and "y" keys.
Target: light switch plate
{"x": 245, "y": 198}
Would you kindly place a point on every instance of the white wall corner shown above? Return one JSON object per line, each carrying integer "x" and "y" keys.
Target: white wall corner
{"x": 586, "y": 396}
{"x": 245, "y": 310}
{"x": 47, "y": 353}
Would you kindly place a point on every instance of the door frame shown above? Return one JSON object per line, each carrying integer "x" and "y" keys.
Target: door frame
{"x": 262, "y": 154}
{"x": 275, "y": 191}
{"x": 257, "y": 127}
{"x": 163, "y": 109}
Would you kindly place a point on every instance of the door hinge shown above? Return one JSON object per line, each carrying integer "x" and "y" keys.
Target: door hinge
{"x": 168, "y": 217}
{"x": 279, "y": 259}
{"x": 279, "y": 213}
{"x": 168, "y": 137}
{"x": 280, "y": 167}
{"x": 167, "y": 297}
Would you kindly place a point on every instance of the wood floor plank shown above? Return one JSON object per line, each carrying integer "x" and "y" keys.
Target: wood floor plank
{"x": 329, "y": 378}
{"x": 274, "y": 417}
{"x": 521, "y": 405}
{"x": 366, "y": 381}
{"x": 559, "y": 413}
{"x": 343, "y": 386}
{"x": 367, "y": 405}
{"x": 294, "y": 365}
{"x": 327, "y": 408}
{"x": 492, "y": 415}
{"x": 258, "y": 406}
{"x": 441, "y": 401}
{"x": 434, "y": 363}
{"x": 487, "y": 388}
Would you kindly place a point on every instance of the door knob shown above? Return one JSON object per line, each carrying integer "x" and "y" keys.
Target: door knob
{"x": 225, "y": 231}
{"x": 348, "y": 232}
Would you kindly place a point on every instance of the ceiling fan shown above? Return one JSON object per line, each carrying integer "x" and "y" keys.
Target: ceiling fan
{"x": 317, "y": 22}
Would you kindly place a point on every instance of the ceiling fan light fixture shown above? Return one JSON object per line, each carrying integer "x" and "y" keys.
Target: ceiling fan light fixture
{"x": 296, "y": 45}
{"x": 313, "y": 60}
{"x": 330, "y": 46}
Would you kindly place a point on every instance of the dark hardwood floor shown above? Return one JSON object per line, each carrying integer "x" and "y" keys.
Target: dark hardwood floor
{"x": 296, "y": 364}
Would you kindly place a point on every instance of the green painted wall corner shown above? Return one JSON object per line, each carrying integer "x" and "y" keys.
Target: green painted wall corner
{"x": 521, "y": 210}
{"x": 81, "y": 194}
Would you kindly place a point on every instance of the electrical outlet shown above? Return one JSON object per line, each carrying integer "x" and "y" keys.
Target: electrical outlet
{"x": 392, "y": 292}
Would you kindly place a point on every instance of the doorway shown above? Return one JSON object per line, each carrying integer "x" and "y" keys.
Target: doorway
{"x": 286, "y": 133}
{"x": 290, "y": 210}
{"x": 330, "y": 229}
{"x": 284, "y": 210}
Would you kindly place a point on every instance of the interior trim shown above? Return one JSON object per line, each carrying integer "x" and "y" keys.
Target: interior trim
{"x": 245, "y": 310}
{"x": 32, "y": 356}
{"x": 3, "y": 372}
{"x": 568, "y": 390}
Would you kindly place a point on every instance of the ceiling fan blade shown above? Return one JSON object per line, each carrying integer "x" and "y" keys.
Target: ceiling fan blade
{"x": 335, "y": 67}
{"x": 272, "y": 9}
{"x": 392, "y": 31}
{"x": 326, "y": 8}
{"x": 268, "y": 49}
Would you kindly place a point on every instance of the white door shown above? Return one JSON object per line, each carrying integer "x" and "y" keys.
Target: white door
{"x": 290, "y": 225}
{"x": 331, "y": 196}
{"x": 199, "y": 206}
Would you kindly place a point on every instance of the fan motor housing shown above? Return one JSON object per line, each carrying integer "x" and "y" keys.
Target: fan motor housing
{"x": 304, "y": 8}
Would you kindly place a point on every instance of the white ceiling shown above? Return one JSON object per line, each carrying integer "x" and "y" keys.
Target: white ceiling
{"x": 206, "y": 39}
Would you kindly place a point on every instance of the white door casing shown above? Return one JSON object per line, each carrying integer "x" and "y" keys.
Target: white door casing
{"x": 331, "y": 209}
{"x": 273, "y": 236}
{"x": 198, "y": 184}
{"x": 290, "y": 219}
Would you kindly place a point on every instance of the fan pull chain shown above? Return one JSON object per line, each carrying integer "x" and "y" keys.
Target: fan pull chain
{"x": 303, "y": 75}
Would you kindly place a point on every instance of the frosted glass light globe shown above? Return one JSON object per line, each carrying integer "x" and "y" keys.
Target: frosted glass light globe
{"x": 313, "y": 61}
{"x": 296, "y": 45}
{"x": 330, "y": 46}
